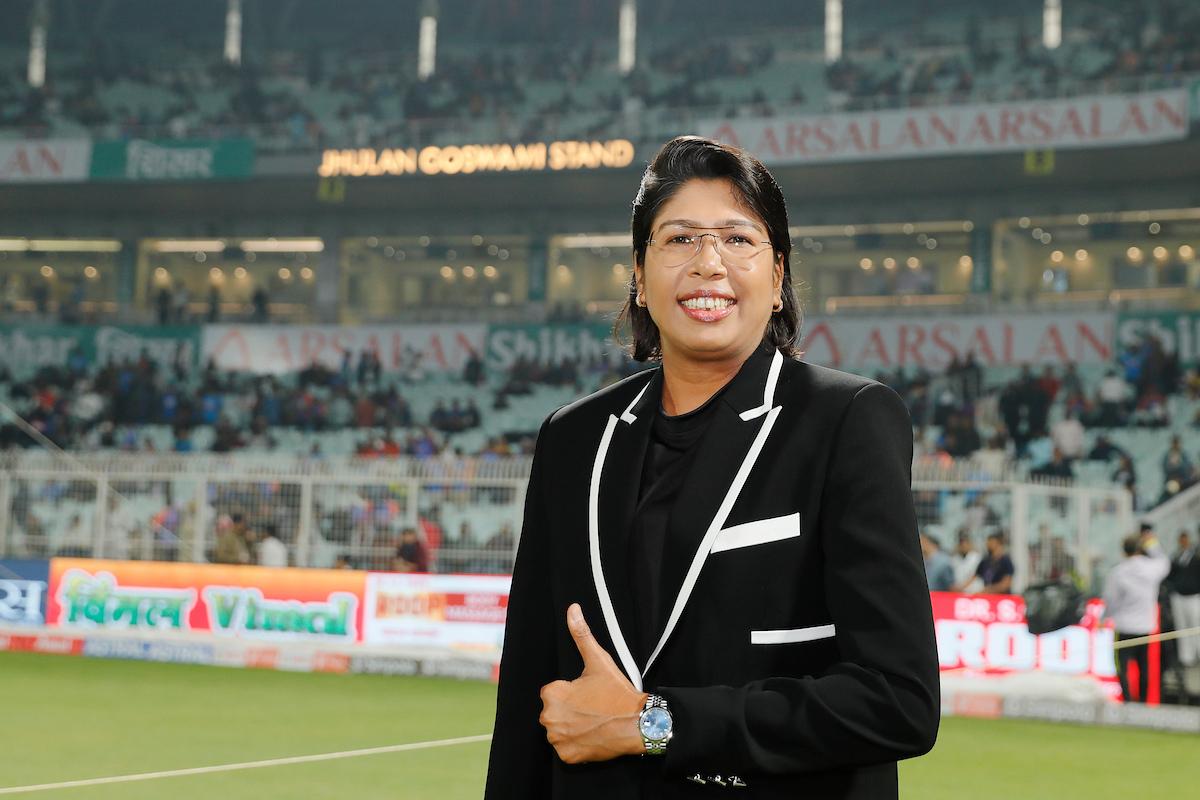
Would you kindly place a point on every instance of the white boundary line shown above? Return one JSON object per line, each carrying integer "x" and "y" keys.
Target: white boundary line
{"x": 271, "y": 762}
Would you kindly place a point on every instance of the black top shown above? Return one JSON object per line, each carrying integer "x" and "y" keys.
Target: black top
{"x": 991, "y": 570}
{"x": 668, "y": 456}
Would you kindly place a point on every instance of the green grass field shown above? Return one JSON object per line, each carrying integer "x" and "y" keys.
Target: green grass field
{"x": 74, "y": 718}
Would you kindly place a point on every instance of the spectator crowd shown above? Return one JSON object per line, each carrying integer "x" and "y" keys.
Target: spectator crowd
{"x": 361, "y": 90}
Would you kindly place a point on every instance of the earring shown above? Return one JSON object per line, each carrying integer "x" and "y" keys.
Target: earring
{"x": 641, "y": 301}
{"x": 778, "y": 307}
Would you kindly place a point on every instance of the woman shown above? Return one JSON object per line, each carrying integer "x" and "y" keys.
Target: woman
{"x": 719, "y": 568}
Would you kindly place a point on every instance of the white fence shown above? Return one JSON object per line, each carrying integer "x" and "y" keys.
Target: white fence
{"x": 1052, "y": 529}
{"x": 468, "y": 511}
{"x": 172, "y": 508}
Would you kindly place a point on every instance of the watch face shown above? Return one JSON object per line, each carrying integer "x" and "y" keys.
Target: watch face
{"x": 655, "y": 724}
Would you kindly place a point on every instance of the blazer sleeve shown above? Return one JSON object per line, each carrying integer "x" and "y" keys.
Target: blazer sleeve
{"x": 881, "y": 701}
{"x": 521, "y": 757}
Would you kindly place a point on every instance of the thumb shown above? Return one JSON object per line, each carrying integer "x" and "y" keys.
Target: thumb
{"x": 593, "y": 654}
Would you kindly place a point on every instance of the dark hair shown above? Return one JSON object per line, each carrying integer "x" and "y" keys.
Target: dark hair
{"x": 680, "y": 160}
{"x": 1132, "y": 545}
{"x": 997, "y": 535}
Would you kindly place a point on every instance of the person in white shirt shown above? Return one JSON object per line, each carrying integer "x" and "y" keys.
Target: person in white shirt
{"x": 1113, "y": 392}
{"x": 271, "y": 551}
{"x": 1068, "y": 436}
{"x": 966, "y": 562}
{"x": 1131, "y": 602}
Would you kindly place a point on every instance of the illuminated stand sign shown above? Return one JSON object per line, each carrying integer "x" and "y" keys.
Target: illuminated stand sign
{"x": 470, "y": 158}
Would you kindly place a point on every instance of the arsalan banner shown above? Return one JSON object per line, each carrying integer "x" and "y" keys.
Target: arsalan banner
{"x": 45, "y": 161}
{"x": 1094, "y": 121}
{"x": 279, "y": 349}
{"x": 868, "y": 344}
{"x": 455, "y": 611}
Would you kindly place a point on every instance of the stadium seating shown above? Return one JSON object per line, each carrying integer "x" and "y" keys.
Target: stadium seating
{"x": 340, "y": 93}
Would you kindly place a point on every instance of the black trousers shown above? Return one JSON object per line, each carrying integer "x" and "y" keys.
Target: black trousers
{"x": 1140, "y": 655}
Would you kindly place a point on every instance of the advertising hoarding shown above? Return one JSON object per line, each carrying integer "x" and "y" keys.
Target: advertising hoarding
{"x": 226, "y": 601}
{"x": 455, "y": 611}
{"x": 968, "y": 129}
{"x": 23, "y": 584}
{"x": 279, "y": 349}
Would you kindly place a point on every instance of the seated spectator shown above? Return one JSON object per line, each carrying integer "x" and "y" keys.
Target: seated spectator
{"x": 1081, "y": 408}
{"x": 1104, "y": 450}
{"x": 993, "y": 458}
{"x": 1176, "y": 465}
{"x": 504, "y": 541}
{"x": 1151, "y": 410}
{"x": 1191, "y": 383}
{"x": 1057, "y": 467}
{"x": 965, "y": 437}
{"x": 183, "y": 441}
{"x": 439, "y": 418}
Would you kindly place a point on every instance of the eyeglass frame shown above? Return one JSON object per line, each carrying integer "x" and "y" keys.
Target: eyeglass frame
{"x": 717, "y": 244}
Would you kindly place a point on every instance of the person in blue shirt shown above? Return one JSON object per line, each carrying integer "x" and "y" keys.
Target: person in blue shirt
{"x": 939, "y": 570}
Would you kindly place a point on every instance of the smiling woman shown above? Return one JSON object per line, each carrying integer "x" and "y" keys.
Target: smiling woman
{"x": 736, "y": 524}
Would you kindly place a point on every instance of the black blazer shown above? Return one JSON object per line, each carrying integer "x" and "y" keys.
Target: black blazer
{"x": 798, "y": 655}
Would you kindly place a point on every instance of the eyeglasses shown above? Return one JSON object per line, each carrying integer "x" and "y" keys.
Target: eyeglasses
{"x": 736, "y": 247}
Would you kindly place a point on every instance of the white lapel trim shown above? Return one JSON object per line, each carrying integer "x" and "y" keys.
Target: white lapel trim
{"x": 768, "y": 390}
{"x": 627, "y": 415}
{"x": 606, "y": 606}
{"x": 714, "y": 527}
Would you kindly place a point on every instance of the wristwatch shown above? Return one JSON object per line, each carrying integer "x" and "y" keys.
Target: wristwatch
{"x": 656, "y": 725}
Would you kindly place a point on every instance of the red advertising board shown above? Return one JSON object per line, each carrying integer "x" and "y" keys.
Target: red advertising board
{"x": 986, "y": 636}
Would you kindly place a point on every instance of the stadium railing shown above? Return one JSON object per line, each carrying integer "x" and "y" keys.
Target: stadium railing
{"x": 172, "y": 508}
{"x": 467, "y": 510}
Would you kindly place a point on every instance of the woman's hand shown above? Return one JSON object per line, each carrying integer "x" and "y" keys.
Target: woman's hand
{"x": 594, "y": 717}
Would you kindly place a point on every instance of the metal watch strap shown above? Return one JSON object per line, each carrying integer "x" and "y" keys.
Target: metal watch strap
{"x": 654, "y": 747}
